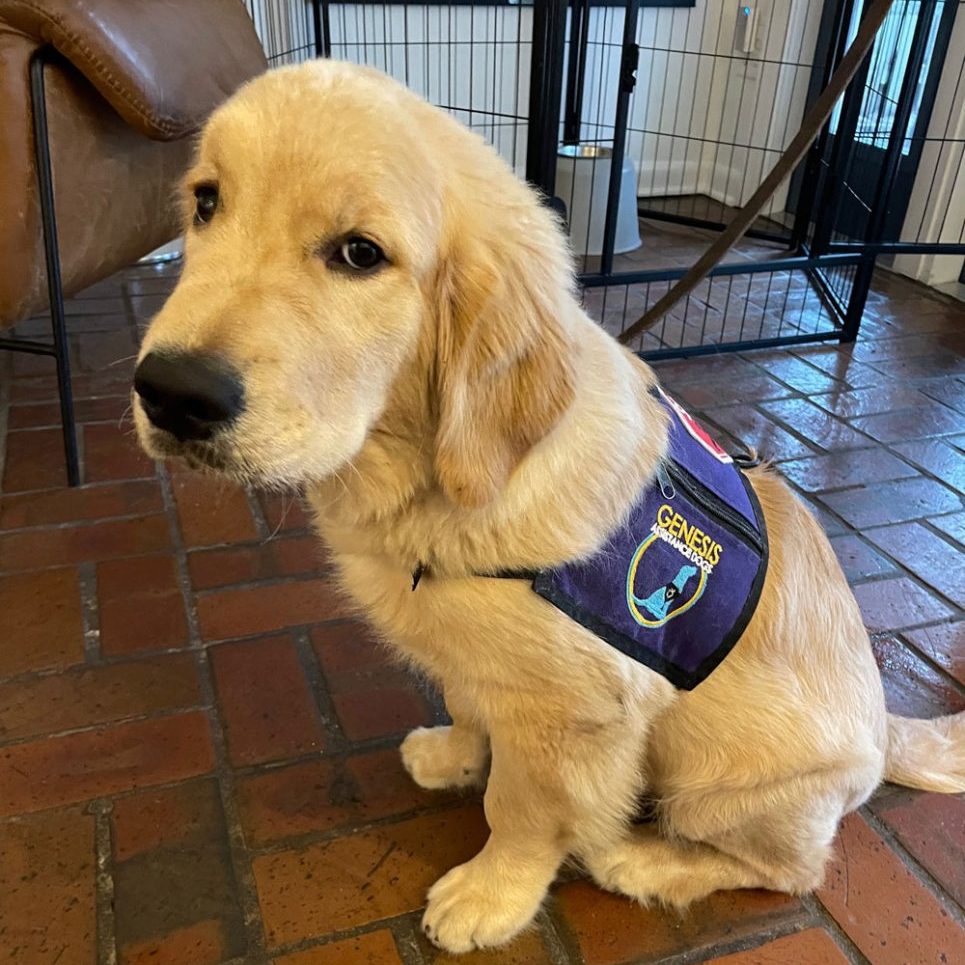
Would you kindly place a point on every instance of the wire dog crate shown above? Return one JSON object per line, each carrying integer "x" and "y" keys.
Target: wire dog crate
{"x": 697, "y": 99}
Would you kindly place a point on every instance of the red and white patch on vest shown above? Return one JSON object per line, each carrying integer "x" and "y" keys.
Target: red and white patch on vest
{"x": 697, "y": 431}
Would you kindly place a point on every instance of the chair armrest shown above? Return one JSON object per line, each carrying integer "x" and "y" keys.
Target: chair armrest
{"x": 163, "y": 65}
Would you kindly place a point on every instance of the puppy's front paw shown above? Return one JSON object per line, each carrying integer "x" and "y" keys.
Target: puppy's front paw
{"x": 472, "y": 908}
{"x": 441, "y": 757}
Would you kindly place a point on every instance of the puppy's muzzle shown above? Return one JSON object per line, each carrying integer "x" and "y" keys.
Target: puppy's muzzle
{"x": 190, "y": 395}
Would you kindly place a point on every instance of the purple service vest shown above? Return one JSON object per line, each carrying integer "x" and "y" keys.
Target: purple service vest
{"x": 676, "y": 585}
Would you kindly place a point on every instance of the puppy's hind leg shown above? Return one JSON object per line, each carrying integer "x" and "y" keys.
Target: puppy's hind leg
{"x": 775, "y": 836}
{"x": 648, "y": 867}
{"x": 451, "y": 756}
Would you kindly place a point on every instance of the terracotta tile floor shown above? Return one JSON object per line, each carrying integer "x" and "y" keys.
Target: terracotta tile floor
{"x": 197, "y": 749}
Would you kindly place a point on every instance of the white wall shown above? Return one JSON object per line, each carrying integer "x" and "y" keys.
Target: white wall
{"x": 473, "y": 61}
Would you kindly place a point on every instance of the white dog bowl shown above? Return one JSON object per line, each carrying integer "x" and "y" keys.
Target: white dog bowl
{"x": 582, "y": 181}
{"x": 169, "y": 252}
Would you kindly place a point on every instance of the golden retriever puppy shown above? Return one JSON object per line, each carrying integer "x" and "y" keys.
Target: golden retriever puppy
{"x": 375, "y": 309}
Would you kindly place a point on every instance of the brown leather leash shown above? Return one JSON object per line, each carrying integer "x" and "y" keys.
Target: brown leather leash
{"x": 814, "y": 120}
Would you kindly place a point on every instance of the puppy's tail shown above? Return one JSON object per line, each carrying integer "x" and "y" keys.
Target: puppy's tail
{"x": 927, "y": 754}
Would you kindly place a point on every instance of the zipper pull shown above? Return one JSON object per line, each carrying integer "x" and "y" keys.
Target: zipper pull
{"x": 666, "y": 486}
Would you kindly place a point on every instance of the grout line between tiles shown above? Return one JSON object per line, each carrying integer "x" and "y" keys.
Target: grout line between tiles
{"x": 824, "y": 919}
{"x": 90, "y": 613}
{"x": 104, "y": 882}
{"x": 405, "y": 932}
{"x": 918, "y": 870}
{"x": 321, "y": 695}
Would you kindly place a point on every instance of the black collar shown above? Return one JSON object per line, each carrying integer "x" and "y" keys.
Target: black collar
{"x": 417, "y": 574}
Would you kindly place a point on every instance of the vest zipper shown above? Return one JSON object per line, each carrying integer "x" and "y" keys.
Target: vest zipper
{"x": 663, "y": 480}
{"x": 711, "y": 501}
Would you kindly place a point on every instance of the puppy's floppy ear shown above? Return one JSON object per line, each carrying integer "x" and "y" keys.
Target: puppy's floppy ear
{"x": 503, "y": 366}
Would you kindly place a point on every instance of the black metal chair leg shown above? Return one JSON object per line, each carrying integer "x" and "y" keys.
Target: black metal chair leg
{"x": 52, "y": 253}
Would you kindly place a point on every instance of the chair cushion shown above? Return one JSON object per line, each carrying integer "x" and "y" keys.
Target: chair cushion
{"x": 163, "y": 65}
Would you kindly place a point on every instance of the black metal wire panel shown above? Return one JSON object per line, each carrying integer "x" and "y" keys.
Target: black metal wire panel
{"x": 706, "y": 120}
{"x": 754, "y": 303}
{"x": 472, "y": 59}
{"x": 932, "y": 149}
{"x": 285, "y": 28}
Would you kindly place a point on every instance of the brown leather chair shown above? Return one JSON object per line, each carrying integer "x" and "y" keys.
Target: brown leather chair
{"x": 98, "y": 100}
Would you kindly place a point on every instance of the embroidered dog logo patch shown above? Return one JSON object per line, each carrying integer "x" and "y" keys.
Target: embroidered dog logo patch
{"x": 669, "y": 570}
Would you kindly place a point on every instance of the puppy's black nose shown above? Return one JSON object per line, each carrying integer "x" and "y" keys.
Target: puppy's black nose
{"x": 189, "y": 395}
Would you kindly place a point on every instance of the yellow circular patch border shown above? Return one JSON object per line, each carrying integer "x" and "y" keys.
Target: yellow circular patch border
{"x": 631, "y": 579}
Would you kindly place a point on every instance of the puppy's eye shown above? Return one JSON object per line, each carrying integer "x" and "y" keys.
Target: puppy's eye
{"x": 360, "y": 254}
{"x": 205, "y": 203}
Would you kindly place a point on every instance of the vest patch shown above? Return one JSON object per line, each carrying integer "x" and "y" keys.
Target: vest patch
{"x": 676, "y": 585}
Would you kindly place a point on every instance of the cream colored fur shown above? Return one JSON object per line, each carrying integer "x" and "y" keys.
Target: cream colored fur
{"x": 459, "y": 409}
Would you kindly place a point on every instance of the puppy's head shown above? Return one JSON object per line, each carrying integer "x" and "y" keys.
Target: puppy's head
{"x": 350, "y": 249}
